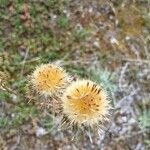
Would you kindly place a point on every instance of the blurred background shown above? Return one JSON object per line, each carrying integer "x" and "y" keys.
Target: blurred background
{"x": 103, "y": 40}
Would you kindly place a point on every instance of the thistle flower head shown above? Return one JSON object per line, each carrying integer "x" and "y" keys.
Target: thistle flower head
{"x": 85, "y": 103}
{"x": 47, "y": 79}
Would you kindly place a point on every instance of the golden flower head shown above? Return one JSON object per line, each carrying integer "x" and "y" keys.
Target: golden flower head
{"x": 48, "y": 79}
{"x": 85, "y": 103}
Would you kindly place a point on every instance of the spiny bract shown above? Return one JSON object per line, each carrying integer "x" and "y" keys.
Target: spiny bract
{"x": 85, "y": 103}
{"x": 48, "y": 79}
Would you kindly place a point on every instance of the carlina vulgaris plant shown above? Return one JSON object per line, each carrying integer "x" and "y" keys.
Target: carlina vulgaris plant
{"x": 83, "y": 105}
{"x": 86, "y": 106}
{"x": 48, "y": 81}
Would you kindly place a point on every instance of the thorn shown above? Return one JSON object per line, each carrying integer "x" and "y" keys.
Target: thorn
{"x": 77, "y": 90}
{"x": 87, "y": 84}
{"x": 95, "y": 90}
{"x": 97, "y": 109}
{"x": 93, "y": 87}
{"x": 61, "y": 79}
{"x": 69, "y": 97}
{"x": 89, "y": 135}
{"x": 99, "y": 91}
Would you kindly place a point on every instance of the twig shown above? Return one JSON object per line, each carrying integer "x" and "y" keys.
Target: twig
{"x": 132, "y": 135}
{"x": 24, "y": 61}
{"x": 136, "y": 60}
{"x": 6, "y": 89}
{"x": 124, "y": 98}
{"x": 31, "y": 60}
{"x": 122, "y": 75}
{"x": 145, "y": 46}
{"x": 114, "y": 11}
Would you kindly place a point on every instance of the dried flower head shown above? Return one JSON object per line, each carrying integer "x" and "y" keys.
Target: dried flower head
{"x": 85, "y": 103}
{"x": 48, "y": 79}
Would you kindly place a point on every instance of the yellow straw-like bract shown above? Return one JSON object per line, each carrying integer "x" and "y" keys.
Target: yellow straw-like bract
{"x": 85, "y": 102}
{"x": 48, "y": 79}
